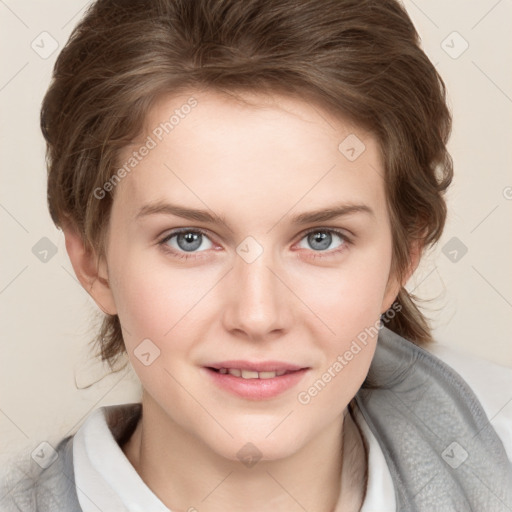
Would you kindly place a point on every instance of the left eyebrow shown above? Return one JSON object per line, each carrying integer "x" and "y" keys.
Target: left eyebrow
{"x": 206, "y": 216}
{"x": 332, "y": 212}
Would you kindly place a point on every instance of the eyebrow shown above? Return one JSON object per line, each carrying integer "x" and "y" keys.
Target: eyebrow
{"x": 206, "y": 216}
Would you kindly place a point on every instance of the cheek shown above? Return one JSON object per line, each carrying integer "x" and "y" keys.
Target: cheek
{"x": 140, "y": 294}
{"x": 348, "y": 298}
{"x": 152, "y": 299}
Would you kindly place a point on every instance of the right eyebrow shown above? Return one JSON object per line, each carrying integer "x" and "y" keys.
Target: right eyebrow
{"x": 180, "y": 211}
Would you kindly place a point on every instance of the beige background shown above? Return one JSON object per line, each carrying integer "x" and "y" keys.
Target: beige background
{"x": 47, "y": 318}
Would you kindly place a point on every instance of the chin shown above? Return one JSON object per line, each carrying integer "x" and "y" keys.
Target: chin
{"x": 257, "y": 447}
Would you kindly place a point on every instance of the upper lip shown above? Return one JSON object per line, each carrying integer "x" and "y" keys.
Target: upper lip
{"x": 256, "y": 366}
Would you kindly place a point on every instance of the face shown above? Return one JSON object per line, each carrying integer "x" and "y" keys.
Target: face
{"x": 269, "y": 286}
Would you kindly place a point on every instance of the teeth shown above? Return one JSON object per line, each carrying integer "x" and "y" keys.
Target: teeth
{"x": 267, "y": 375}
{"x": 250, "y": 374}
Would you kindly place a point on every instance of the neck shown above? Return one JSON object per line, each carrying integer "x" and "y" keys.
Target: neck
{"x": 354, "y": 469}
{"x": 324, "y": 475}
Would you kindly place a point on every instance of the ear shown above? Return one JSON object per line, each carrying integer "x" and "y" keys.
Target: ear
{"x": 393, "y": 285}
{"x": 92, "y": 274}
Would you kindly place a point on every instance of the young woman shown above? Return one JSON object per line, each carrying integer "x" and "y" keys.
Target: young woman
{"x": 245, "y": 188}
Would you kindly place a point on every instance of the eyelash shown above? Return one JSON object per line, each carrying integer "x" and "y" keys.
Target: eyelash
{"x": 316, "y": 254}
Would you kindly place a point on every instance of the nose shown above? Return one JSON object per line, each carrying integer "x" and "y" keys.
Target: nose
{"x": 259, "y": 303}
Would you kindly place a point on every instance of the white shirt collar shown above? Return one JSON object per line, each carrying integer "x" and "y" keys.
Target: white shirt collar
{"x": 380, "y": 491}
{"x": 104, "y": 477}
{"x": 106, "y": 480}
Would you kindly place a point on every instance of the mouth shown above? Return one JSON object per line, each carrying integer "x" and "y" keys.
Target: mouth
{"x": 251, "y": 374}
{"x": 255, "y": 381}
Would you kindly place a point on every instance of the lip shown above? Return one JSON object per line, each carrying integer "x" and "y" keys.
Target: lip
{"x": 255, "y": 366}
{"x": 255, "y": 389}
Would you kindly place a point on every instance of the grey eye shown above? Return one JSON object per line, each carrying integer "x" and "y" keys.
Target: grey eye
{"x": 321, "y": 239}
{"x": 188, "y": 241}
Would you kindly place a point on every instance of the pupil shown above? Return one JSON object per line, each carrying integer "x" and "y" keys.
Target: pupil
{"x": 192, "y": 241}
{"x": 322, "y": 238}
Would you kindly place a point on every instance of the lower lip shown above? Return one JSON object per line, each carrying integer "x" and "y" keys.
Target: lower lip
{"x": 256, "y": 389}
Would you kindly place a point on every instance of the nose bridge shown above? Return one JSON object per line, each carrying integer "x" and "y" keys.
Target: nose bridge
{"x": 257, "y": 303}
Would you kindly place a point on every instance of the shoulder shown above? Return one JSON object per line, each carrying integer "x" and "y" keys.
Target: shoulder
{"x": 490, "y": 382}
{"x": 30, "y": 486}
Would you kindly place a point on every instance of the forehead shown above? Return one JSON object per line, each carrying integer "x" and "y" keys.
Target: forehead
{"x": 257, "y": 151}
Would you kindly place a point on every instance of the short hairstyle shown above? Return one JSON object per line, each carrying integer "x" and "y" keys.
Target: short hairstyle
{"x": 360, "y": 59}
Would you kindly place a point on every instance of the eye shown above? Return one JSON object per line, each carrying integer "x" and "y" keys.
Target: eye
{"x": 186, "y": 242}
{"x": 183, "y": 241}
{"x": 320, "y": 240}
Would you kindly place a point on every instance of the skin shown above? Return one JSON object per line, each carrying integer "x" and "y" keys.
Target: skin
{"x": 258, "y": 165}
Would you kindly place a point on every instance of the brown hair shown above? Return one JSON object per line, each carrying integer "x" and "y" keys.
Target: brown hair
{"x": 359, "y": 58}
